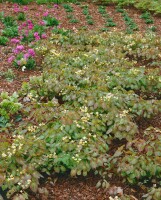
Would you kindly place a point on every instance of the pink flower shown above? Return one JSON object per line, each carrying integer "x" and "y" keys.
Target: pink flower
{"x": 30, "y": 26}
{"x": 26, "y": 32}
{"x": 15, "y": 51}
{"x": 25, "y": 8}
{"x": 19, "y": 62}
{"x": 24, "y": 24}
{"x": 18, "y": 49}
{"x": 20, "y": 28}
{"x": 43, "y": 36}
{"x": 36, "y": 34}
{"x": 42, "y": 23}
{"x": 16, "y": 10}
{"x": 56, "y": 6}
{"x": 29, "y": 21}
{"x": 10, "y": 59}
{"x": 31, "y": 52}
{"x": 46, "y": 14}
{"x": 26, "y": 56}
{"x": 15, "y": 5}
{"x": 15, "y": 41}
{"x": 37, "y": 38}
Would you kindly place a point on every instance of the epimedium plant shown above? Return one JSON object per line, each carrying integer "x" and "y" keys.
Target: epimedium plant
{"x": 9, "y": 106}
{"x": 87, "y": 97}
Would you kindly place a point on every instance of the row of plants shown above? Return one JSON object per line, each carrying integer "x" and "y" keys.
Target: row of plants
{"x": 146, "y": 5}
{"x": 147, "y": 17}
{"x": 87, "y": 13}
{"x": 140, "y": 4}
{"x": 131, "y": 25}
{"x": 25, "y": 2}
{"x": 105, "y": 15}
{"x": 72, "y": 19}
{"x": 69, "y": 117}
{"x": 24, "y": 29}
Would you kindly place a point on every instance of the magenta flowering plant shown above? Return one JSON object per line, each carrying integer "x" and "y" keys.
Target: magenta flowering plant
{"x": 44, "y": 36}
{"x": 18, "y": 49}
{"x": 31, "y": 52}
{"x": 16, "y": 8}
{"x": 56, "y": 6}
{"x": 41, "y": 23}
{"x": 25, "y": 8}
{"x": 23, "y": 58}
{"x": 30, "y": 32}
{"x": 37, "y": 36}
{"x": 11, "y": 59}
{"x": 46, "y": 13}
{"x": 15, "y": 41}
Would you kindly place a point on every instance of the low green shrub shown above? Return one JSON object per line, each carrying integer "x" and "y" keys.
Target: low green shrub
{"x": 21, "y": 16}
{"x": 8, "y": 21}
{"x": 9, "y": 105}
{"x": 10, "y": 32}
{"x": 51, "y": 21}
{"x": 3, "y": 40}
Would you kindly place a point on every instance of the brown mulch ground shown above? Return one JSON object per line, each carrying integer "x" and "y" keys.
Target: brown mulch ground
{"x": 63, "y": 187}
{"x": 81, "y": 188}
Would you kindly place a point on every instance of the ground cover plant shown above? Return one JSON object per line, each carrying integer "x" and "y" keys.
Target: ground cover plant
{"x": 87, "y": 98}
{"x": 86, "y": 110}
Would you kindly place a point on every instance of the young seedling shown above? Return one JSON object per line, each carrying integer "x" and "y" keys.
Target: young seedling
{"x": 105, "y": 15}
{"x": 86, "y": 12}
{"x": 131, "y": 25}
{"x": 147, "y": 17}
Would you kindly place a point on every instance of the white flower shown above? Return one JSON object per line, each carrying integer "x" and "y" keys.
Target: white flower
{"x": 23, "y": 68}
{"x": 4, "y": 155}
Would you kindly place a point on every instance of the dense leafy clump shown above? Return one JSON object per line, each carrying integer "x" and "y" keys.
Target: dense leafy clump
{"x": 93, "y": 90}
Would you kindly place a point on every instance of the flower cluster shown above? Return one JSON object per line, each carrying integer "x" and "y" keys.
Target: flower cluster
{"x": 76, "y": 158}
{"x": 16, "y": 8}
{"x": 23, "y": 58}
{"x": 16, "y": 146}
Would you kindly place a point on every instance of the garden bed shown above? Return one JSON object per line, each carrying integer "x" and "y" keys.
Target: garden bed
{"x": 91, "y": 102}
